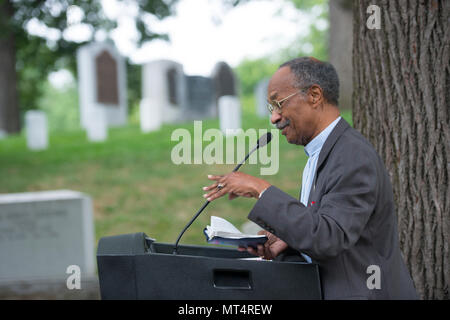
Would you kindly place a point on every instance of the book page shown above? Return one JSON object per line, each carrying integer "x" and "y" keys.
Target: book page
{"x": 220, "y": 224}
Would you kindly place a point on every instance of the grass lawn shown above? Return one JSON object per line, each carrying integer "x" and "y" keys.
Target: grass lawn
{"x": 132, "y": 181}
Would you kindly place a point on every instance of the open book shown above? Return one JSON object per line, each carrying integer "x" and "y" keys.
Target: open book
{"x": 223, "y": 232}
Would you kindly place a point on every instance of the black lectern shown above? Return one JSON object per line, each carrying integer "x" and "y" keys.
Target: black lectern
{"x": 133, "y": 266}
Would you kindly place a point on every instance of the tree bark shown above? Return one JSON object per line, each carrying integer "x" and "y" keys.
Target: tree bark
{"x": 401, "y": 103}
{"x": 9, "y": 104}
{"x": 340, "y": 48}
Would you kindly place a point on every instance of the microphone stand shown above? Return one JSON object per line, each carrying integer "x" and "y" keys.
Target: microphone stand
{"x": 208, "y": 202}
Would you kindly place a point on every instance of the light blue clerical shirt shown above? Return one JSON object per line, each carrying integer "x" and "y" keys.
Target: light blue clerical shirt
{"x": 312, "y": 150}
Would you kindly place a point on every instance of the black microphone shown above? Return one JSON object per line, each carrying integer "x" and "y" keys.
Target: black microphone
{"x": 263, "y": 140}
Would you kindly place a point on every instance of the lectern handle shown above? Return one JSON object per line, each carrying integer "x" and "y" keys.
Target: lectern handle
{"x": 232, "y": 279}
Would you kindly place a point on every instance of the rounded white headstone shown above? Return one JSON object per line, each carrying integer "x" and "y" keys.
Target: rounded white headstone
{"x": 36, "y": 130}
{"x": 164, "y": 82}
{"x": 96, "y": 125}
{"x": 150, "y": 115}
{"x": 229, "y": 115}
{"x": 261, "y": 99}
{"x": 102, "y": 83}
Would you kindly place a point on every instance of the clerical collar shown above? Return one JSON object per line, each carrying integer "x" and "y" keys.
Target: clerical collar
{"x": 316, "y": 144}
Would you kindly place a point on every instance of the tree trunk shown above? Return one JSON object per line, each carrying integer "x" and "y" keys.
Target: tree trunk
{"x": 401, "y": 103}
{"x": 9, "y": 105}
{"x": 340, "y": 48}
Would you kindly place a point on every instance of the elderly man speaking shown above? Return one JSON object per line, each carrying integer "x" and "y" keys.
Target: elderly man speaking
{"x": 345, "y": 220}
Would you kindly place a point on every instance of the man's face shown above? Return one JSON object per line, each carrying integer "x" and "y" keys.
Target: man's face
{"x": 297, "y": 119}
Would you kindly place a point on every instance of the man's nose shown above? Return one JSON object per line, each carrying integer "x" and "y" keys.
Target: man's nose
{"x": 275, "y": 117}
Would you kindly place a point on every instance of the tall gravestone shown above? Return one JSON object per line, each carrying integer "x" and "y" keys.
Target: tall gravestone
{"x": 97, "y": 131}
{"x": 261, "y": 98}
{"x": 150, "y": 115}
{"x": 36, "y": 128}
{"x": 229, "y": 115}
{"x": 201, "y": 99}
{"x": 224, "y": 80}
{"x": 102, "y": 84}
{"x": 163, "y": 91}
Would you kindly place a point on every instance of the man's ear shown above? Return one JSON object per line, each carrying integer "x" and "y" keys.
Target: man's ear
{"x": 315, "y": 96}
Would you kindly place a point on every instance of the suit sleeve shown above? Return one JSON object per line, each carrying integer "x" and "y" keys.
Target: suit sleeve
{"x": 332, "y": 224}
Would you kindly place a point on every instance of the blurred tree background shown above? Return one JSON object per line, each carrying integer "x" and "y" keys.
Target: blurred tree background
{"x": 26, "y": 87}
{"x": 313, "y": 43}
{"x": 27, "y": 57}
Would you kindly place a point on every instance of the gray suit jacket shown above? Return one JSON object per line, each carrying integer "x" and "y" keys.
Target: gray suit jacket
{"x": 349, "y": 224}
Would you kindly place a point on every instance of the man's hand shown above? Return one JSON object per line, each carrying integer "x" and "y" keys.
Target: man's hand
{"x": 270, "y": 250}
{"x": 235, "y": 184}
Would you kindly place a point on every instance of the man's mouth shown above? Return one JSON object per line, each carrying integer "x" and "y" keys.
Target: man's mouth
{"x": 282, "y": 125}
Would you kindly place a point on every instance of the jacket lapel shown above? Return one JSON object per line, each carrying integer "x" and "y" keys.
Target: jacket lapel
{"x": 338, "y": 130}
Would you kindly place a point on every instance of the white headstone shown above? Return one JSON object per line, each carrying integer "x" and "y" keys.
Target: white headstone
{"x": 229, "y": 115}
{"x": 164, "y": 83}
{"x": 102, "y": 83}
{"x": 3, "y": 134}
{"x": 96, "y": 126}
{"x": 150, "y": 115}
{"x": 36, "y": 130}
{"x": 43, "y": 233}
{"x": 261, "y": 98}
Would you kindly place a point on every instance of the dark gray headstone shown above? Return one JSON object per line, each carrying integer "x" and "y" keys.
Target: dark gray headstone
{"x": 102, "y": 84}
{"x": 172, "y": 86}
{"x": 224, "y": 80}
{"x": 200, "y": 98}
{"x": 107, "y": 84}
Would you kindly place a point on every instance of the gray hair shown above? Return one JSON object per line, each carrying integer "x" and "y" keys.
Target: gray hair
{"x": 309, "y": 71}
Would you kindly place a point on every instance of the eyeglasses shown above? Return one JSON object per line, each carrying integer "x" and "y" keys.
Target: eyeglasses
{"x": 276, "y": 105}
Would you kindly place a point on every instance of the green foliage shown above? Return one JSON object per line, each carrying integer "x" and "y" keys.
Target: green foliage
{"x": 61, "y": 107}
{"x": 317, "y": 38}
{"x": 251, "y": 71}
{"x": 308, "y": 4}
{"x": 36, "y": 57}
{"x": 134, "y": 84}
{"x": 35, "y": 60}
